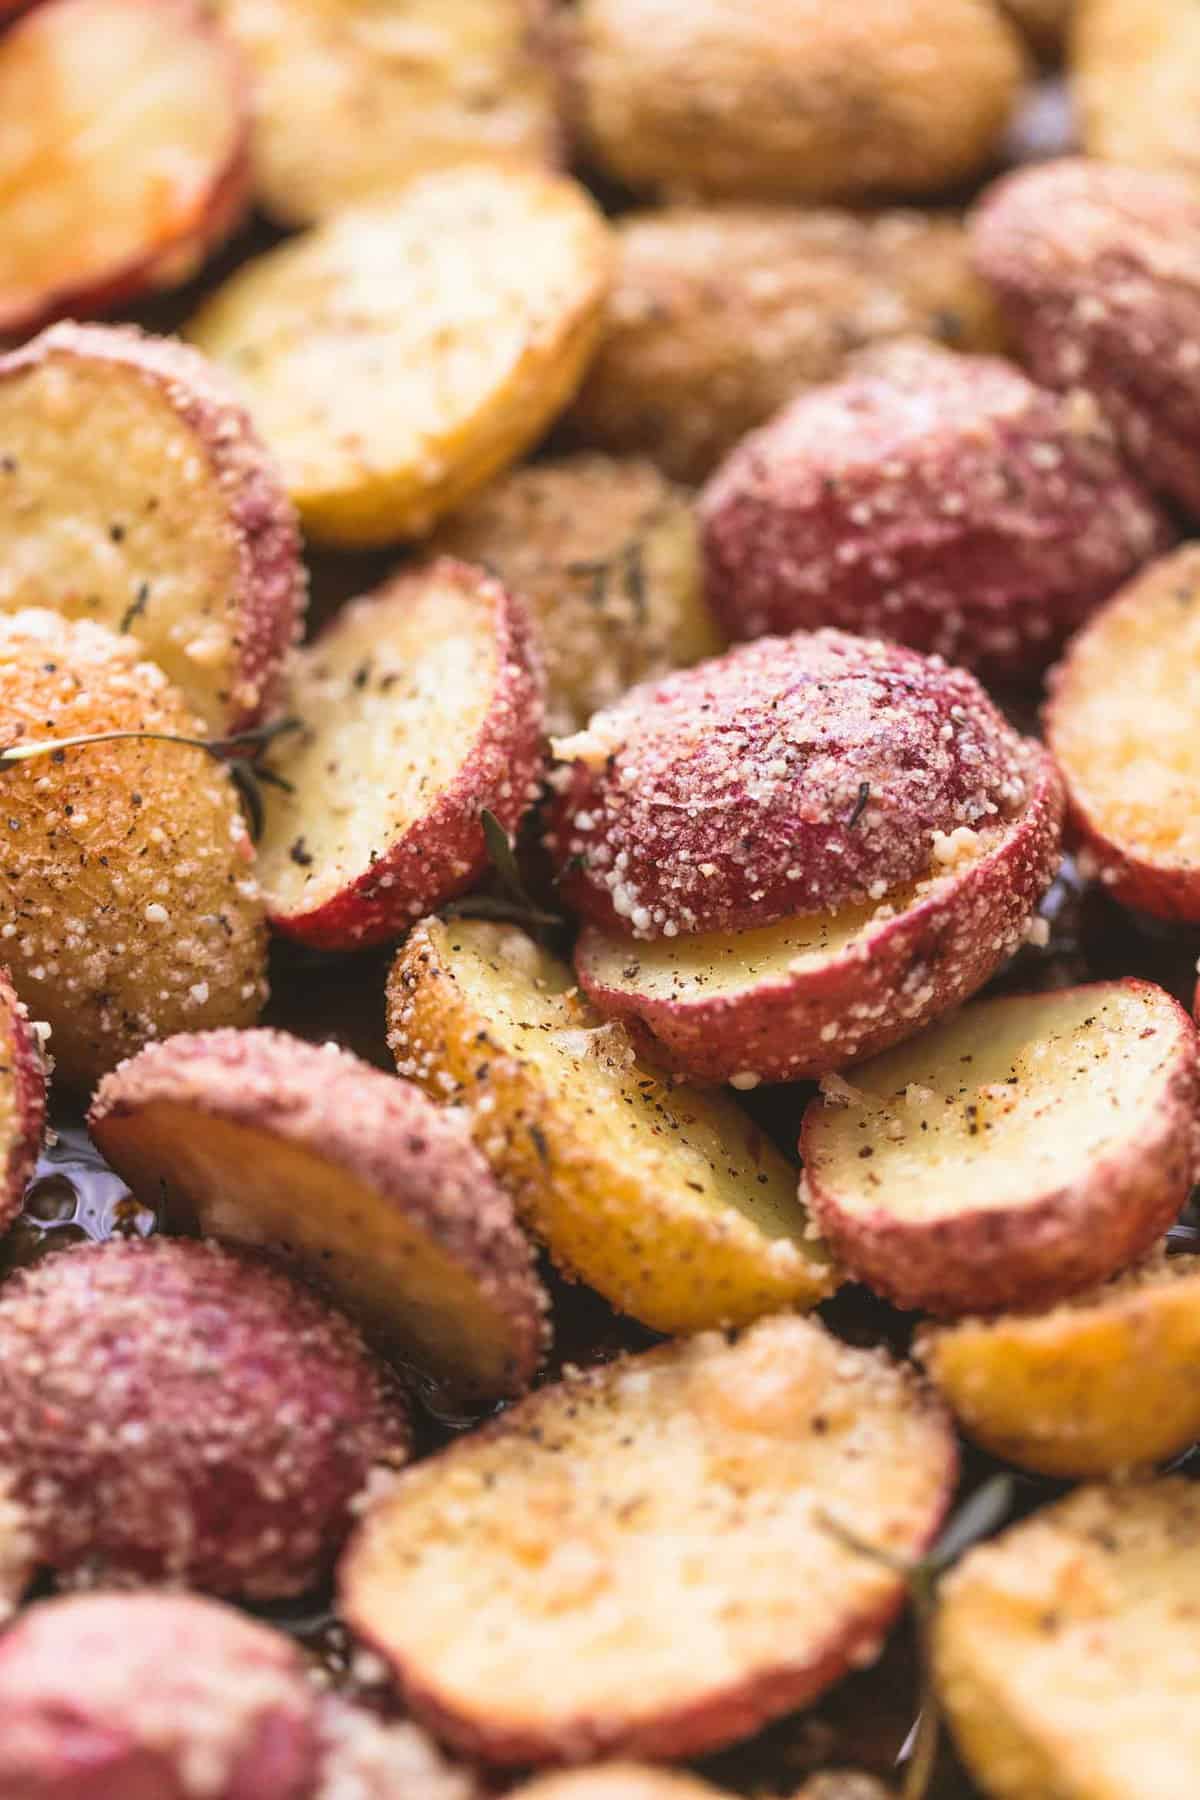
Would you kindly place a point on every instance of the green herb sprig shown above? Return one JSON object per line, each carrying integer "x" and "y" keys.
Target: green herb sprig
{"x": 512, "y": 903}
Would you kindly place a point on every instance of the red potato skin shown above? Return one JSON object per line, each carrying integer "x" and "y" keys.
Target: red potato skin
{"x": 938, "y": 499}
{"x": 175, "y": 1411}
{"x": 1097, "y": 271}
{"x": 911, "y": 968}
{"x": 842, "y": 756}
{"x": 500, "y": 771}
{"x": 27, "y": 1073}
{"x": 111, "y": 1696}
{"x": 273, "y": 582}
{"x": 176, "y": 258}
{"x": 1074, "y": 1238}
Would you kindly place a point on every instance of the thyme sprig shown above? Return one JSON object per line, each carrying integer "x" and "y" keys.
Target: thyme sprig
{"x": 240, "y": 751}
{"x": 979, "y": 1514}
{"x": 512, "y": 903}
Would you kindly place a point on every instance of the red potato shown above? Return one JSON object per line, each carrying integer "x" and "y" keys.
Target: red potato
{"x": 186, "y": 540}
{"x": 153, "y": 1697}
{"x": 1121, "y": 721}
{"x": 1097, "y": 269}
{"x": 124, "y": 134}
{"x": 422, "y": 709}
{"x": 258, "y": 1138}
{"x": 791, "y": 1001}
{"x": 635, "y": 1561}
{"x": 22, "y": 1100}
{"x": 786, "y": 777}
{"x": 171, "y": 1410}
{"x": 1019, "y": 1152}
{"x": 938, "y": 499}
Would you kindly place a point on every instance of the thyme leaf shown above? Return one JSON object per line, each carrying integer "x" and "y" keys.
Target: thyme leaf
{"x": 513, "y": 904}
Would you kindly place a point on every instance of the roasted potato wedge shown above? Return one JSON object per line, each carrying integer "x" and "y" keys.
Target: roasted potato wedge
{"x": 1021, "y": 1151}
{"x": 670, "y": 1203}
{"x": 720, "y": 314}
{"x": 128, "y": 904}
{"x": 186, "y": 540}
{"x": 617, "y": 1781}
{"x": 1102, "y": 1384}
{"x": 398, "y": 356}
{"x": 1121, "y": 722}
{"x": 604, "y": 553}
{"x": 788, "y": 1001}
{"x": 1134, "y": 77}
{"x": 635, "y": 1560}
{"x": 123, "y": 154}
{"x": 22, "y": 1112}
{"x": 258, "y": 1138}
{"x": 1066, "y": 1652}
{"x": 420, "y": 709}
{"x": 353, "y": 97}
{"x": 794, "y": 99}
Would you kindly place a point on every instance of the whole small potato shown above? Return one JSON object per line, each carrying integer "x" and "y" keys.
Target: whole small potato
{"x": 605, "y": 555}
{"x": 794, "y": 99}
{"x": 1135, "y": 69}
{"x": 721, "y": 313}
{"x": 128, "y": 905}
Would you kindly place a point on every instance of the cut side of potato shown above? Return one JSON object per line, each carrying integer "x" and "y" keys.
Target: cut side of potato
{"x": 123, "y": 153}
{"x": 637, "y": 1560}
{"x": 354, "y": 97}
{"x": 789, "y": 1001}
{"x": 22, "y": 1109}
{"x": 261, "y": 1139}
{"x": 669, "y": 1202}
{"x": 617, "y": 1781}
{"x": 1018, "y": 1152}
{"x": 1121, "y": 721}
{"x": 420, "y": 710}
{"x": 400, "y": 355}
{"x": 1104, "y": 1383}
{"x": 1066, "y": 1651}
{"x": 604, "y": 553}
{"x": 186, "y": 540}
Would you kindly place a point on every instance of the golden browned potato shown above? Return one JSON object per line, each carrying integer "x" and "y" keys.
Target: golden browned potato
{"x": 1066, "y": 1651}
{"x": 604, "y": 553}
{"x": 617, "y": 1781}
{"x": 128, "y": 904}
{"x": 1103, "y": 1383}
{"x": 1135, "y": 67}
{"x": 669, "y": 1202}
{"x": 354, "y": 96}
{"x": 721, "y": 313}
{"x": 794, "y": 99}
{"x": 399, "y": 355}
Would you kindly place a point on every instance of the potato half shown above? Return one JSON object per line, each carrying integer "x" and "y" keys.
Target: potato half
{"x": 123, "y": 153}
{"x": 185, "y": 540}
{"x": 1018, "y": 1152}
{"x": 1121, "y": 721}
{"x": 604, "y": 553}
{"x": 1134, "y": 82}
{"x": 421, "y": 709}
{"x": 617, "y": 1781}
{"x": 128, "y": 904}
{"x": 789, "y": 1001}
{"x": 671, "y": 1203}
{"x": 261, "y": 1139}
{"x": 399, "y": 355}
{"x": 354, "y": 97}
{"x": 1104, "y": 1383}
{"x": 719, "y": 314}
{"x": 1066, "y": 1651}
{"x": 636, "y": 1560}
{"x": 22, "y": 1108}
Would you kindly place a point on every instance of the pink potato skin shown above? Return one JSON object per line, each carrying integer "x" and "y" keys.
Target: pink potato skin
{"x": 941, "y": 500}
{"x": 27, "y": 1073}
{"x": 173, "y": 260}
{"x": 176, "y": 1411}
{"x": 1097, "y": 270}
{"x": 1072, "y": 1239}
{"x": 445, "y": 853}
{"x": 124, "y": 1696}
{"x": 790, "y": 775}
{"x": 905, "y": 972}
{"x": 273, "y": 585}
